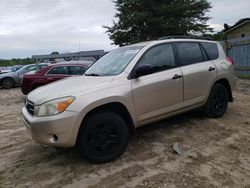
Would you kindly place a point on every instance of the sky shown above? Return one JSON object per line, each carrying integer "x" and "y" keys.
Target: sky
{"x": 32, "y": 27}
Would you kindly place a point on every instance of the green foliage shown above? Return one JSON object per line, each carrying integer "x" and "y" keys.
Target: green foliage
{"x": 140, "y": 20}
{"x": 244, "y": 76}
{"x": 219, "y": 36}
{"x": 18, "y": 61}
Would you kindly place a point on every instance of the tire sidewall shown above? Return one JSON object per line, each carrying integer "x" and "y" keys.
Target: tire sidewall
{"x": 211, "y": 109}
{"x": 12, "y": 83}
{"x": 107, "y": 117}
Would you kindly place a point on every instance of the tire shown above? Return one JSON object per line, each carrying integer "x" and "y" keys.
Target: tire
{"x": 217, "y": 102}
{"x": 8, "y": 83}
{"x": 103, "y": 137}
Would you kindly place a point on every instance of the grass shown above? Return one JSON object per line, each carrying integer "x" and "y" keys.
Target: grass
{"x": 243, "y": 76}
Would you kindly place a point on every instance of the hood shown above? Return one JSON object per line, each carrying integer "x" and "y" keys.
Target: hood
{"x": 72, "y": 86}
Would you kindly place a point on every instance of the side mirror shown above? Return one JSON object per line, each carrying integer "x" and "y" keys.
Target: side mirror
{"x": 143, "y": 70}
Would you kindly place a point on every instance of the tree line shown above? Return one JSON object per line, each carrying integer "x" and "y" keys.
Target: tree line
{"x": 137, "y": 20}
{"x": 16, "y": 61}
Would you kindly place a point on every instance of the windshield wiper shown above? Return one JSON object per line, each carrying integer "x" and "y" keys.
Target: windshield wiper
{"x": 92, "y": 74}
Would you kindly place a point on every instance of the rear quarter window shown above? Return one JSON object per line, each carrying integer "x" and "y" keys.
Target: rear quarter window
{"x": 211, "y": 50}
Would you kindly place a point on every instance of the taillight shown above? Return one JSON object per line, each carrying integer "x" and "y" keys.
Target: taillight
{"x": 230, "y": 60}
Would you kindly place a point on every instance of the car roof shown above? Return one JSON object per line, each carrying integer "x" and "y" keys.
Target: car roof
{"x": 187, "y": 40}
{"x": 35, "y": 64}
{"x": 143, "y": 44}
{"x": 71, "y": 64}
{"x": 87, "y": 63}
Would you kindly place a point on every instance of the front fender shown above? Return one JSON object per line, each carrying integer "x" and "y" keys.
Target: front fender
{"x": 98, "y": 103}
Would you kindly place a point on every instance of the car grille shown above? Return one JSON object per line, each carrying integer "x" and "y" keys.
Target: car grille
{"x": 30, "y": 106}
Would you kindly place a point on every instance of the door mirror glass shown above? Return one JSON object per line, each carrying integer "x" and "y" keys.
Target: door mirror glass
{"x": 143, "y": 70}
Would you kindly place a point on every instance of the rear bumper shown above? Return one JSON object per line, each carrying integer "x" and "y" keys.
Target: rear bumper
{"x": 54, "y": 130}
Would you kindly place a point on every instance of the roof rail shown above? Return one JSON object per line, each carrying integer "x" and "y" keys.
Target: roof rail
{"x": 184, "y": 37}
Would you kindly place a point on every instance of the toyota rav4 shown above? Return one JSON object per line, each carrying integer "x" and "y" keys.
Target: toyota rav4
{"x": 129, "y": 87}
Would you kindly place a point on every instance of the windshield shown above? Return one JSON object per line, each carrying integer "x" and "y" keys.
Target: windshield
{"x": 21, "y": 69}
{"x": 14, "y": 69}
{"x": 114, "y": 62}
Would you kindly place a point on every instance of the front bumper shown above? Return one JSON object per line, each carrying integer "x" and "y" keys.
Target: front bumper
{"x": 54, "y": 130}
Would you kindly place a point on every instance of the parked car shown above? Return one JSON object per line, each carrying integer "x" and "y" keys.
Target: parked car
{"x": 5, "y": 70}
{"x": 14, "y": 68}
{"x": 12, "y": 79}
{"x": 52, "y": 73}
{"x": 127, "y": 88}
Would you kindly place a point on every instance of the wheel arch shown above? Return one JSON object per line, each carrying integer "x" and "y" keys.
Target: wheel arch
{"x": 116, "y": 107}
{"x": 225, "y": 82}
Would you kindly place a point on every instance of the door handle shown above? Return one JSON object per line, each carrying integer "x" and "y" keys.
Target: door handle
{"x": 176, "y": 76}
{"x": 211, "y": 69}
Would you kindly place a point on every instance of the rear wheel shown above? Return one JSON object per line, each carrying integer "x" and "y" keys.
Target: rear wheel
{"x": 217, "y": 102}
{"x": 103, "y": 137}
{"x": 8, "y": 83}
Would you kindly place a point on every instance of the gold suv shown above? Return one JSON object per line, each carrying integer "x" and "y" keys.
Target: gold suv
{"x": 129, "y": 87}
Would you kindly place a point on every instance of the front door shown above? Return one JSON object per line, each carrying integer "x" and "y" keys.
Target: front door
{"x": 161, "y": 91}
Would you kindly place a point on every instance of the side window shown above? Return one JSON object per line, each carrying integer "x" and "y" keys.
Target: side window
{"x": 30, "y": 68}
{"x": 160, "y": 58}
{"x": 189, "y": 53}
{"x": 76, "y": 70}
{"x": 211, "y": 50}
{"x": 58, "y": 70}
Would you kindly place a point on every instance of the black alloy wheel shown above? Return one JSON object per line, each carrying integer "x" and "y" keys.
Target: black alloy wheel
{"x": 8, "y": 83}
{"x": 103, "y": 137}
{"x": 217, "y": 102}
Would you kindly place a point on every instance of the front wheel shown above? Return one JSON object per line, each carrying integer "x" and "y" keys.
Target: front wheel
{"x": 8, "y": 83}
{"x": 103, "y": 137}
{"x": 217, "y": 102}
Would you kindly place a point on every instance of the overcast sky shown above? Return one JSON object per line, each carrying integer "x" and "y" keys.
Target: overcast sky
{"x": 41, "y": 26}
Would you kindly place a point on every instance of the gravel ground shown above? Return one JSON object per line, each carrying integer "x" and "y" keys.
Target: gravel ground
{"x": 216, "y": 152}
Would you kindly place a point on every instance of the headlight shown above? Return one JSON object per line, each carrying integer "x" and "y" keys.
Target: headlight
{"x": 54, "y": 107}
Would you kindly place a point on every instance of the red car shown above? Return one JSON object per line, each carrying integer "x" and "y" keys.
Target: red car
{"x": 52, "y": 73}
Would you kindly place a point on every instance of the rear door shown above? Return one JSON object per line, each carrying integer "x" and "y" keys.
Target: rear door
{"x": 161, "y": 91}
{"x": 198, "y": 71}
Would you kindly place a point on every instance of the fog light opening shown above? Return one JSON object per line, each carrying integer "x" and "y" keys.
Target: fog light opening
{"x": 54, "y": 138}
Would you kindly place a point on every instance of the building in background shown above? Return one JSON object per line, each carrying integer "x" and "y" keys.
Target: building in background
{"x": 240, "y": 29}
{"x": 237, "y": 46}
